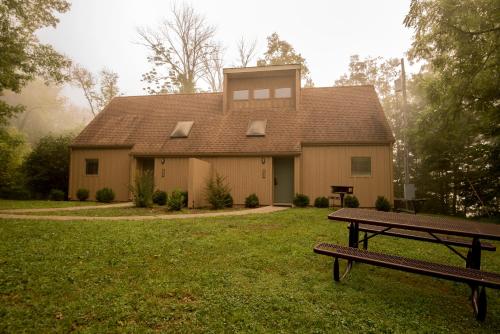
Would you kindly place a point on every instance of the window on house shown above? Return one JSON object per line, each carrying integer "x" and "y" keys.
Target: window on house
{"x": 91, "y": 166}
{"x": 182, "y": 129}
{"x": 260, "y": 94}
{"x": 240, "y": 94}
{"x": 282, "y": 93}
{"x": 257, "y": 128}
{"x": 361, "y": 166}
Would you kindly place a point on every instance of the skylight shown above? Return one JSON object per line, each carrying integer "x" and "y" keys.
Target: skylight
{"x": 257, "y": 128}
{"x": 182, "y": 129}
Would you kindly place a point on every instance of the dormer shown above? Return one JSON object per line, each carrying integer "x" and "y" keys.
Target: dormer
{"x": 262, "y": 88}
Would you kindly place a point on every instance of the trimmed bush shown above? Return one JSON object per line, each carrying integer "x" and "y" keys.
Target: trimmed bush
{"x": 105, "y": 195}
{"x": 175, "y": 201}
{"x": 382, "y": 204}
{"x": 321, "y": 202}
{"x": 301, "y": 200}
{"x": 218, "y": 193}
{"x": 143, "y": 190}
{"x": 252, "y": 201}
{"x": 82, "y": 194}
{"x": 160, "y": 197}
{"x": 185, "y": 201}
{"x": 351, "y": 201}
{"x": 229, "y": 201}
{"x": 56, "y": 195}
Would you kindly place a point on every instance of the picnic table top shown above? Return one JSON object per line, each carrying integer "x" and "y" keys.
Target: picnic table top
{"x": 433, "y": 224}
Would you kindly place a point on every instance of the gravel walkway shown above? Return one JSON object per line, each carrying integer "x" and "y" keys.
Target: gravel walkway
{"x": 10, "y": 215}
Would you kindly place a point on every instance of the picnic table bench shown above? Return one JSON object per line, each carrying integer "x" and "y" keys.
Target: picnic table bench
{"x": 447, "y": 231}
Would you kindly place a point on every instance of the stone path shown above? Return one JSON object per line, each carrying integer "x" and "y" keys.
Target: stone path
{"x": 264, "y": 209}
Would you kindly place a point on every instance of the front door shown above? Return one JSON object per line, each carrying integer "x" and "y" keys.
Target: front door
{"x": 283, "y": 180}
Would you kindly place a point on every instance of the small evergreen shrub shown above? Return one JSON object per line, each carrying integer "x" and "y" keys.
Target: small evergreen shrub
{"x": 185, "y": 201}
{"x": 82, "y": 194}
{"x": 351, "y": 201}
{"x": 56, "y": 195}
{"x": 382, "y": 204}
{"x": 218, "y": 193}
{"x": 321, "y": 202}
{"x": 252, "y": 201}
{"x": 143, "y": 190}
{"x": 229, "y": 201}
{"x": 301, "y": 200}
{"x": 175, "y": 201}
{"x": 160, "y": 197}
{"x": 105, "y": 195}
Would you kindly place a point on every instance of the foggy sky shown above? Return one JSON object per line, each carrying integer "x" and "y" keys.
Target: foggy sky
{"x": 102, "y": 33}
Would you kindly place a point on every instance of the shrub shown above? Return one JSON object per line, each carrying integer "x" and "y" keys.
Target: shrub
{"x": 351, "y": 201}
{"x": 382, "y": 204}
{"x": 185, "y": 201}
{"x": 105, "y": 195}
{"x": 321, "y": 202}
{"x": 56, "y": 195}
{"x": 229, "y": 200}
{"x": 217, "y": 193}
{"x": 301, "y": 200}
{"x": 143, "y": 190}
{"x": 175, "y": 201}
{"x": 252, "y": 201}
{"x": 12, "y": 151}
{"x": 47, "y": 166}
{"x": 82, "y": 194}
{"x": 160, "y": 197}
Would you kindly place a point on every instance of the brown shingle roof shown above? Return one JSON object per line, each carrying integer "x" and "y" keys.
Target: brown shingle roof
{"x": 332, "y": 115}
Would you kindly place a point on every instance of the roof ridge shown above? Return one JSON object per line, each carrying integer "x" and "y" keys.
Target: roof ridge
{"x": 343, "y": 86}
{"x": 168, "y": 94}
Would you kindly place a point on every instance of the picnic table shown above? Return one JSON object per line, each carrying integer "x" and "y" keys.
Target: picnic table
{"x": 450, "y": 232}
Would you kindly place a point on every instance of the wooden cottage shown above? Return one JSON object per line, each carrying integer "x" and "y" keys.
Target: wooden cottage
{"x": 264, "y": 133}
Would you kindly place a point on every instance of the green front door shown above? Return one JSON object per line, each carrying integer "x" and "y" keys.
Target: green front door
{"x": 283, "y": 180}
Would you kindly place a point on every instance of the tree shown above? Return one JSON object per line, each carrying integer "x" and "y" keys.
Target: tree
{"x": 97, "y": 96}
{"x": 47, "y": 166}
{"x": 213, "y": 65}
{"x": 178, "y": 49}
{"x": 246, "y": 52}
{"x": 457, "y": 134}
{"x": 23, "y": 56}
{"x": 46, "y": 110}
{"x": 280, "y": 52}
{"x": 12, "y": 151}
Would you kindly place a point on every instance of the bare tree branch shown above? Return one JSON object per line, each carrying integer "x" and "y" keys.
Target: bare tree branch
{"x": 178, "y": 49}
{"x": 213, "y": 65}
{"x": 246, "y": 52}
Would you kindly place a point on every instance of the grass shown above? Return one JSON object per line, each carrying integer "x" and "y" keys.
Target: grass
{"x": 40, "y": 204}
{"x": 253, "y": 273}
{"x": 127, "y": 211}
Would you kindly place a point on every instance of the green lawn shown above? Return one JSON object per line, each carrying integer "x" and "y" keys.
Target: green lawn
{"x": 128, "y": 211}
{"x": 33, "y": 204}
{"x": 253, "y": 273}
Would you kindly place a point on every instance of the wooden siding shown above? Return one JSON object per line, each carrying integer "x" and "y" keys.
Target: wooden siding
{"x": 199, "y": 174}
{"x": 323, "y": 166}
{"x": 171, "y": 174}
{"x": 252, "y": 84}
{"x": 245, "y": 175}
{"x": 114, "y": 167}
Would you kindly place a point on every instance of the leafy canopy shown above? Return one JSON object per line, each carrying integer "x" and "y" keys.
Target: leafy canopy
{"x": 23, "y": 56}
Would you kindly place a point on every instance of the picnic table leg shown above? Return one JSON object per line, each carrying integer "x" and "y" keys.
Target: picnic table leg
{"x": 353, "y": 242}
{"x": 478, "y": 298}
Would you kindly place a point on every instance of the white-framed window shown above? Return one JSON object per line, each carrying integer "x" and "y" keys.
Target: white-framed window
{"x": 361, "y": 166}
{"x": 260, "y": 94}
{"x": 240, "y": 94}
{"x": 283, "y": 93}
